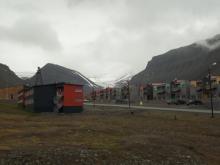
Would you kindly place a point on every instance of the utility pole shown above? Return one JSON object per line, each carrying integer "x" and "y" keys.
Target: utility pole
{"x": 171, "y": 90}
{"x": 129, "y": 97}
{"x": 210, "y": 92}
{"x": 7, "y": 86}
{"x": 93, "y": 96}
{"x": 210, "y": 87}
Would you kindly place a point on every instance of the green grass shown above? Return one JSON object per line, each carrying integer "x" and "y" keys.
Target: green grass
{"x": 149, "y": 134}
{"x": 13, "y": 109}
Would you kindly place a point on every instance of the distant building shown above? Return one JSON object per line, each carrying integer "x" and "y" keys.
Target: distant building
{"x": 159, "y": 91}
{"x": 175, "y": 90}
{"x": 147, "y": 92}
{"x": 215, "y": 80}
{"x": 10, "y": 93}
{"x": 200, "y": 89}
{"x": 180, "y": 89}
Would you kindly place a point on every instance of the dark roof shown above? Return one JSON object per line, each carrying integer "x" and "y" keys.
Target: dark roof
{"x": 57, "y": 84}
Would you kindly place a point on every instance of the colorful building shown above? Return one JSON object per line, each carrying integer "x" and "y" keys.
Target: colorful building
{"x": 146, "y": 92}
{"x": 176, "y": 90}
{"x": 180, "y": 90}
{"x": 62, "y": 97}
{"x": 10, "y": 93}
{"x": 159, "y": 91}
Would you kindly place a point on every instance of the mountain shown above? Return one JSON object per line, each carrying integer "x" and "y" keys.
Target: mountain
{"x": 122, "y": 81}
{"x": 189, "y": 63}
{"x": 118, "y": 82}
{"x": 52, "y": 73}
{"x": 8, "y": 77}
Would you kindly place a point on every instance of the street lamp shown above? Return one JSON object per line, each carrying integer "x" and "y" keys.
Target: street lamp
{"x": 129, "y": 96}
{"x": 210, "y": 87}
{"x": 7, "y": 80}
{"x": 93, "y": 96}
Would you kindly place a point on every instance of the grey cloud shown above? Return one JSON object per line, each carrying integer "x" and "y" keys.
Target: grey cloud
{"x": 211, "y": 43}
{"x": 109, "y": 34}
{"x": 72, "y": 3}
{"x": 32, "y": 32}
{"x": 139, "y": 14}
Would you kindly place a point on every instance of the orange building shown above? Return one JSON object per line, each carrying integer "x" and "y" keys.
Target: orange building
{"x": 10, "y": 93}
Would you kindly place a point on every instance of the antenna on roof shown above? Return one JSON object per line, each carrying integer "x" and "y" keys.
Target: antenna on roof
{"x": 38, "y": 78}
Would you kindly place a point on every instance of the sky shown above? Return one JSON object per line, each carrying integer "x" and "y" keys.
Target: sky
{"x": 102, "y": 39}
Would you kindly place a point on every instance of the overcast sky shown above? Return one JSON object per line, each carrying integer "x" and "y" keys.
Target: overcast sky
{"x": 100, "y": 38}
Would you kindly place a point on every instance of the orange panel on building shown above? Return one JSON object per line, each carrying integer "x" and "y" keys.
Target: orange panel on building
{"x": 73, "y": 95}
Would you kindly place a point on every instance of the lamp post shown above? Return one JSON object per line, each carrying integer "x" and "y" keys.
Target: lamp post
{"x": 93, "y": 96}
{"x": 7, "y": 93}
{"x": 210, "y": 88}
{"x": 129, "y": 97}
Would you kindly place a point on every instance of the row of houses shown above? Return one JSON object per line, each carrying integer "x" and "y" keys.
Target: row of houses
{"x": 58, "y": 97}
{"x": 10, "y": 93}
{"x": 110, "y": 94}
{"x": 175, "y": 90}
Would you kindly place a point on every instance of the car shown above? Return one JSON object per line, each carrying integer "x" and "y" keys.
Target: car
{"x": 176, "y": 102}
{"x": 86, "y": 101}
{"x": 195, "y": 102}
{"x": 180, "y": 102}
{"x": 169, "y": 102}
{"x": 121, "y": 101}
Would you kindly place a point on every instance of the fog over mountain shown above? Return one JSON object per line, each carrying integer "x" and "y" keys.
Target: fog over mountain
{"x": 189, "y": 63}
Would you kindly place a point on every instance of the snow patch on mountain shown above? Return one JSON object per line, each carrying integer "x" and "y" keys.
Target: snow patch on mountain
{"x": 86, "y": 79}
{"x": 120, "y": 81}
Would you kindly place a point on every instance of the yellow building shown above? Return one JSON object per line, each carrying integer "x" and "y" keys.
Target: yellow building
{"x": 201, "y": 89}
{"x": 193, "y": 83}
{"x": 216, "y": 79}
{"x": 10, "y": 93}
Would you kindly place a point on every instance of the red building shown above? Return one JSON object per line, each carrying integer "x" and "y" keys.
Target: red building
{"x": 62, "y": 97}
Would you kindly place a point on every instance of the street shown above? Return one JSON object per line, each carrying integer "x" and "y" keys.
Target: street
{"x": 155, "y": 108}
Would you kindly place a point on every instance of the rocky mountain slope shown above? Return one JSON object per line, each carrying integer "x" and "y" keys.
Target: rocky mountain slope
{"x": 122, "y": 81}
{"x": 8, "y": 77}
{"x": 52, "y": 73}
{"x": 190, "y": 63}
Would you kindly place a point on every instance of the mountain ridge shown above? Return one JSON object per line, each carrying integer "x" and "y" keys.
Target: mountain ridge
{"x": 54, "y": 73}
{"x": 190, "y": 62}
{"x": 8, "y": 77}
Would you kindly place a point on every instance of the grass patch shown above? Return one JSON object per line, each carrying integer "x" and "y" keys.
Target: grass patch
{"x": 148, "y": 134}
{"x": 14, "y": 109}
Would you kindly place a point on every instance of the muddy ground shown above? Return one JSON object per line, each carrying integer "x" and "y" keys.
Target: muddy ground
{"x": 108, "y": 136}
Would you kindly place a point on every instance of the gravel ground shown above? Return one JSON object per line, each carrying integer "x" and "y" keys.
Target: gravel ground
{"x": 108, "y": 136}
{"x": 57, "y": 156}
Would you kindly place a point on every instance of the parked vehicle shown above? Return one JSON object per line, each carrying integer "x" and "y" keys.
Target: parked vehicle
{"x": 86, "y": 101}
{"x": 121, "y": 101}
{"x": 180, "y": 102}
{"x": 170, "y": 102}
{"x": 176, "y": 102}
{"x": 195, "y": 102}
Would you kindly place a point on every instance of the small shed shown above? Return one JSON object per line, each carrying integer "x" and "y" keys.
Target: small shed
{"x": 62, "y": 97}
